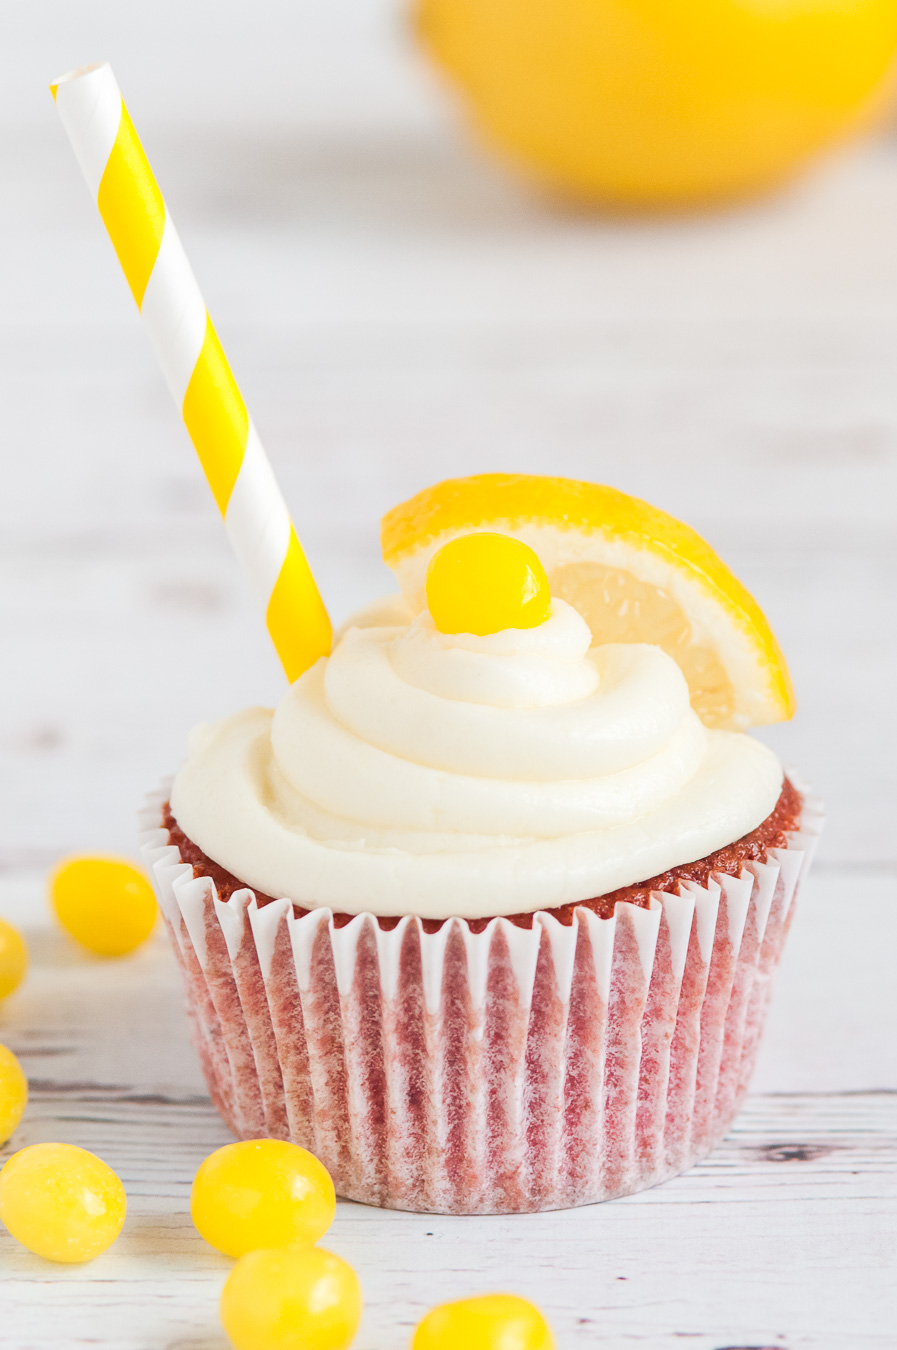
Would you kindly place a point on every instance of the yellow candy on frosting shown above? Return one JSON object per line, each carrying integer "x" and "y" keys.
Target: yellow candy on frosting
{"x": 484, "y": 583}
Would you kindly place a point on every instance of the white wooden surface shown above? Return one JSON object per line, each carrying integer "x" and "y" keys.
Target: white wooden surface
{"x": 397, "y": 310}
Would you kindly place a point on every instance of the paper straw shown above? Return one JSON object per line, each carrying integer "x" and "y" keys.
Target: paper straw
{"x": 162, "y": 283}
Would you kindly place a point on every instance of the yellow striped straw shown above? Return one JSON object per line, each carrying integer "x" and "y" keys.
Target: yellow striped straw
{"x": 162, "y": 282}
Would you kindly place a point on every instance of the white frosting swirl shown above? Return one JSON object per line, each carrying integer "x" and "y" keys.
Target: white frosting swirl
{"x": 417, "y": 772}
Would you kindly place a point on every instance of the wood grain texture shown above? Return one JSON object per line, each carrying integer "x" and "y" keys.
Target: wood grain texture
{"x": 752, "y": 1248}
{"x": 784, "y": 1237}
{"x": 397, "y": 310}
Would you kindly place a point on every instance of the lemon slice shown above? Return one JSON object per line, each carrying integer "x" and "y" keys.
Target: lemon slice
{"x": 634, "y": 573}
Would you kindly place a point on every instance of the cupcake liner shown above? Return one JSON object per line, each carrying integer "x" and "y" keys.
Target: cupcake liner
{"x": 504, "y": 1071}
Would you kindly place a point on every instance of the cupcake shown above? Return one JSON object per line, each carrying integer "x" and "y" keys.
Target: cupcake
{"x": 485, "y": 913}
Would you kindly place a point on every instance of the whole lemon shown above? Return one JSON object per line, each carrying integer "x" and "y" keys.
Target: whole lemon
{"x": 652, "y": 103}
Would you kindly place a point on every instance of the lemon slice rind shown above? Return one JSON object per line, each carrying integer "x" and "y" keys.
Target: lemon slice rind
{"x": 570, "y": 524}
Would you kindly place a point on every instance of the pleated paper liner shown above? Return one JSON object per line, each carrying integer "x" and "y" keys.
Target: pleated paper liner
{"x": 506, "y": 1071}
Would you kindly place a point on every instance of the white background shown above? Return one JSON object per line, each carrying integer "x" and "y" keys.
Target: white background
{"x": 398, "y": 309}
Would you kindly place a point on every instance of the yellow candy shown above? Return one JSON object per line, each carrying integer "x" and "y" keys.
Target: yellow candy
{"x": 291, "y": 1298}
{"x": 482, "y": 583}
{"x": 493, "y": 1322}
{"x": 13, "y": 958}
{"x": 13, "y": 1093}
{"x": 104, "y": 903}
{"x": 262, "y": 1193}
{"x": 61, "y": 1202}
